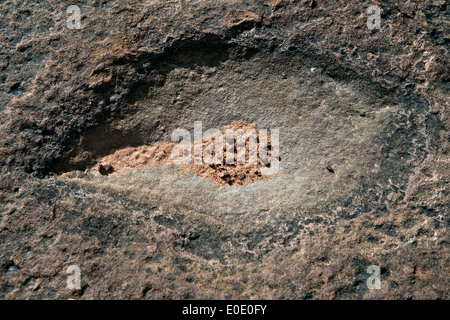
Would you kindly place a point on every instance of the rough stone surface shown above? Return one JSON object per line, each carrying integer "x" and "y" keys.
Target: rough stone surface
{"x": 375, "y": 109}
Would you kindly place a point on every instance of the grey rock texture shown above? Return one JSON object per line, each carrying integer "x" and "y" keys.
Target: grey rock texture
{"x": 376, "y": 108}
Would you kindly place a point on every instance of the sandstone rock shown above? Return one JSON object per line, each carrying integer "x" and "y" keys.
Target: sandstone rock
{"x": 376, "y": 108}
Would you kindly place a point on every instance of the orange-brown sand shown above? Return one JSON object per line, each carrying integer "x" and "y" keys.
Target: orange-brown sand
{"x": 160, "y": 154}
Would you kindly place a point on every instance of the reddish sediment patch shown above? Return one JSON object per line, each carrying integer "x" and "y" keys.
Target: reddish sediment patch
{"x": 222, "y": 173}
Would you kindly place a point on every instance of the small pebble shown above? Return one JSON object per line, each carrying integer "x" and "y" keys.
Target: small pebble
{"x": 242, "y": 177}
{"x": 105, "y": 169}
{"x": 224, "y": 175}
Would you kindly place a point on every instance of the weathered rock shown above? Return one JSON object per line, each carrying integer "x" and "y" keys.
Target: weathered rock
{"x": 376, "y": 107}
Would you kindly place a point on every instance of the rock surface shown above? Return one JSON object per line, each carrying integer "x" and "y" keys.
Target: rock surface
{"x": 375, "y": 110}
